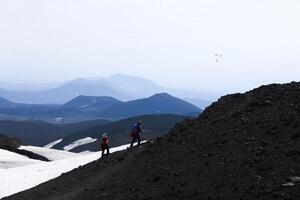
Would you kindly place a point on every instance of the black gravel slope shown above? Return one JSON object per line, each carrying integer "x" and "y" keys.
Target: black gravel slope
{"x": 245, "y": 146}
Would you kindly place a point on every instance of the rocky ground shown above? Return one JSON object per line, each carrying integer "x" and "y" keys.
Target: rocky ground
{"x": 245, "y": 146}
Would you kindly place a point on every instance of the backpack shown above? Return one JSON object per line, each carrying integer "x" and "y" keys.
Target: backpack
{"x": 134, "y": 131}
{"x": 104, "y": 142}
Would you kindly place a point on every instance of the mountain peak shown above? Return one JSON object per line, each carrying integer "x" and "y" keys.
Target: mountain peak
{"x": 162, "y": 95}
{"x": 135, "y": 84}
{"x": 90, "y": 101}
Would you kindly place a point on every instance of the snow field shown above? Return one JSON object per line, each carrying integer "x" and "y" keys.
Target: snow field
{"x": 20, "y": 178}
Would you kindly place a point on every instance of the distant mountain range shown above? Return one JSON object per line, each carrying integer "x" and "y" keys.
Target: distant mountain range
{"x": 65, "y": 92}
{"x": 84, "y": 108}
{"x": 118, "y": 132}
{"x": 136, "y": 87}
{"x": 119, "y": 86}
{"x": 157, "y": 104}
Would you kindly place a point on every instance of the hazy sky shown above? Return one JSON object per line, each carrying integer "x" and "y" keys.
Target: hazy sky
{"x": 172, "y": 42}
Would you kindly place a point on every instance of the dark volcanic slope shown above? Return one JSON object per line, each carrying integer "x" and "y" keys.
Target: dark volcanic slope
{"x": 8, "y": 142}
{"x": 245, "y": 146}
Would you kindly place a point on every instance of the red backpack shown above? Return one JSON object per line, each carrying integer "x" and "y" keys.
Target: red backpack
{"x": 134, "y": 131}
{"x": 105, "y": 141}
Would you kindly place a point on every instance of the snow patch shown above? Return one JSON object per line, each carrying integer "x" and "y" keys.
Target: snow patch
{"x": 52, "y": 144}
{"x": 79, "y": 143}
{"x": 59, "y": 119}
{"x": 10, "y": 159}
{"x": 51, "y": 154}
{"x": 84, "y": 106}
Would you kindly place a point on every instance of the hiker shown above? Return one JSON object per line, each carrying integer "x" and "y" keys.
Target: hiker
{"x": 135, "y": 133}
{"x": 104, "y": 144}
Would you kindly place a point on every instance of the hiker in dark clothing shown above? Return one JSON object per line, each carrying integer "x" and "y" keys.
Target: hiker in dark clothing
{"x": 104, "y": 144}
{"x": 135, "y": 133}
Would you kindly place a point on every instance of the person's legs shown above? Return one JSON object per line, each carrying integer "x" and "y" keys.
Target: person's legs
{"x": 139, "y": 140}
{"x": 133, "y": 141}
{"x": 103, "y": 149}
{"x": 107, "y": 151}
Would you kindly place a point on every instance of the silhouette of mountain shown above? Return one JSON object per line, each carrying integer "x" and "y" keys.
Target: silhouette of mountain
{"x": 90, "y": 88}
{"x": 137, "y": 87}
{"x": 119, "y": 86}
{"x": 65, "y": 92}
{"x": 91, "y": 102}
{"x": 157, "y": 104}
{"x": 86, "y": 108}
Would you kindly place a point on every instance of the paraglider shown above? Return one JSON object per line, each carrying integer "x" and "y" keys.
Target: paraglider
{"x": 218, "y": 57}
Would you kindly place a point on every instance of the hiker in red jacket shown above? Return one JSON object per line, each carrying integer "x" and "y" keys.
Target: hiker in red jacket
{"x": 135, "y": 133}
{"x": 104, "y": 144}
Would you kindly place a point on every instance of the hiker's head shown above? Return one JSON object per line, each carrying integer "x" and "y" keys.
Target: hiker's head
{"x": 139, "y": 122}
{"x": 104, "y": 135}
